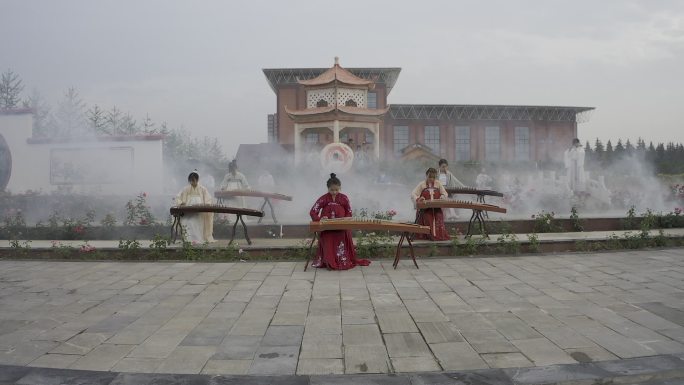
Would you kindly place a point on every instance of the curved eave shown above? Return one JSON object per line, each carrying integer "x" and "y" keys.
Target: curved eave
{"x": 336, "y": 74}
{"x": 334, "y": 113}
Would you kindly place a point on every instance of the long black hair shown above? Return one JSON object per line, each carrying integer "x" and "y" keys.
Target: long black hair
{"x": 333, "y": 181}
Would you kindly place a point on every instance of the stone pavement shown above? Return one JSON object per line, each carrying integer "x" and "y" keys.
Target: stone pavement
{"x": 275, "y": 319}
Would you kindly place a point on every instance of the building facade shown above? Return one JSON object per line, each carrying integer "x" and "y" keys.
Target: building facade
{"x": 484, "y": 133}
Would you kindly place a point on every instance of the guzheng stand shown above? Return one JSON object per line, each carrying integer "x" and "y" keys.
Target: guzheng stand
{"x": 267, "y": 200}
{"x": 478, "y": 216}
{"x": 404, "y": 236}
{"x": 220, "y": 195}
{"x": 178, "y": 211}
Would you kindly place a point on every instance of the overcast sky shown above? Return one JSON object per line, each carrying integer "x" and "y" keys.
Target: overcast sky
{"x": 199, "y": 63}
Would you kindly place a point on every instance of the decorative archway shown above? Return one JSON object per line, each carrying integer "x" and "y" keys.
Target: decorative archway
{"x": 5, "y": 164}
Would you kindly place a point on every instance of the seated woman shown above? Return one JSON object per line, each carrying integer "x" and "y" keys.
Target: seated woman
{"x": 197, "y": 227}
{"x": 335, "y": 247}
{"x": 431, "y": 189}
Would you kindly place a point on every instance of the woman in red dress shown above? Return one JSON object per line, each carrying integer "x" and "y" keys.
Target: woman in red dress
{"x": 335, "y": 247}
{"x": 430, "y": 189}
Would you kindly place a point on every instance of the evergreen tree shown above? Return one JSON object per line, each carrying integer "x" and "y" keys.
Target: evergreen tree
{"x": 641, "y": 145}
{"x": 619, "y": 149}
{"x": 113, "y": 120}
{"x": 97, "y": 121}
{"x": 598, "y": 149}
{"x": 128, "y": 125}
{"x": 629, "y": 148}
{"x": 608, "y": 155}
{"x": 71, "y": 115}
{"x": 588, "y": 152}
{"x": 43, "y": 121}
{"x": 148, "y": 126}
{"x": 10, "y": 88}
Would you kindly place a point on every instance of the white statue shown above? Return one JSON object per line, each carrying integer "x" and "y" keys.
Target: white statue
{"x": 574, "y": 163}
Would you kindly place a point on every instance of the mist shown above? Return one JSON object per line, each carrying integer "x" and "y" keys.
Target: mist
{"x": 199, "y": 66}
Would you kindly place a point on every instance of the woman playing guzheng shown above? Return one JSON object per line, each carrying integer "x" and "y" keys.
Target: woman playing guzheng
{"x": 197, "y": 227}
{"x": 335, "y": 247}
{"x": 431, "y": 189}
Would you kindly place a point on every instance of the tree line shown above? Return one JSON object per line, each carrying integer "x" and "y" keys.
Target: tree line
{"x": 666, "y": 158}
{"x": 73, "y": 118}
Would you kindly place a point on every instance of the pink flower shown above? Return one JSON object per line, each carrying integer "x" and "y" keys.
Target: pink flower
{"x": 143, "y": 222}
{"x": 87, "y": 248}
{"x": 144, "y": 195}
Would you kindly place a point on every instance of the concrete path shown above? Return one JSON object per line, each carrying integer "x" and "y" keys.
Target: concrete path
{"x": 260, "y": 243}
{"x": 275, "y": 319}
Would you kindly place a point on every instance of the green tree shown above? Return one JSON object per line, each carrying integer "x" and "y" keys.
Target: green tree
{"x": 97, "y": 121}
{"x": 619, "y": 149}
{"x": 10, "y": 89}
{"x": 608, "y": 155}
{"x": 43, "y": 121}
{"x": 71, "y": 115}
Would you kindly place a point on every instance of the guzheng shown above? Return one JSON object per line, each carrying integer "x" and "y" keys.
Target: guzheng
{"x": 180, "y": 210}
{"x": 225, "y": 194}
{"x": 472, "y": 190}
{"x": 367, "y": 224}
{"x": 458, "y": 204}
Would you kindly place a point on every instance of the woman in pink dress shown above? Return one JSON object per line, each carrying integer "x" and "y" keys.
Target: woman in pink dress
{"x": 431, "y": 189}
{"x": 335, "y": 247}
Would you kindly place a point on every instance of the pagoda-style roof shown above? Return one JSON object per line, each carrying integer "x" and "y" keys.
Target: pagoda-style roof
{"x": 290, "y": 76}
{"x": 338, "y": 111}
{"x": 336, "y": 74}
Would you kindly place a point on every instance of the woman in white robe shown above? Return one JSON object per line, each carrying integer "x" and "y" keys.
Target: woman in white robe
{"x": 234, "y": 180}
{"x": 197, "y": 227}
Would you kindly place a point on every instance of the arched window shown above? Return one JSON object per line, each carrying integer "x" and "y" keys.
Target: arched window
{"x": 322, "y": 103}
{"x": 350, "y": 103}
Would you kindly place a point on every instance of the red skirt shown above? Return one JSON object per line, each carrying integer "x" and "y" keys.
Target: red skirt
{"x": 336, "y": 251}
{"x": 435, "y": 219}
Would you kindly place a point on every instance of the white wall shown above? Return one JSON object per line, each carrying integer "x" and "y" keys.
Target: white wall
{"x": 31, "y": 162}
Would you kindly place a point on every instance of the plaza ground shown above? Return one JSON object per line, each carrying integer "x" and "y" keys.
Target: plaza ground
{"x": 263, "y": 318}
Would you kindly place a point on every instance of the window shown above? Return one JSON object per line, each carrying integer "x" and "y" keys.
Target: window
{"x": 522, "y": 143}
{"x": 369, "y": 137}
{"x": 344, "y": 137}
{"x": 272, "y": 128}
{"x": 312, "y": 138}
{"x": 492, "y": 143}
{"x": 372, "y": 100}
{"x": 432, "y": 138}
{"x": 462, "y": 143}
{"x": 401, "y": 136}
{"x": 322, "y": 103}
{"x": 350, "y": 103}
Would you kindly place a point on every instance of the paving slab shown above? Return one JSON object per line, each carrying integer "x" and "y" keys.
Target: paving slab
{"x": 366, "y": 359}
{"x": 457, "y": 356}
{"x": 227, "y": 367}
{"x": 320, "y": 366}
